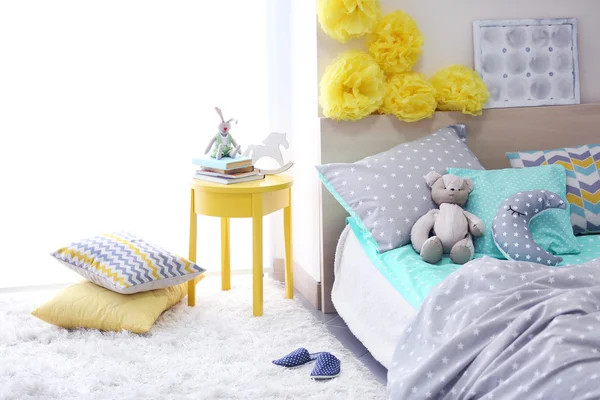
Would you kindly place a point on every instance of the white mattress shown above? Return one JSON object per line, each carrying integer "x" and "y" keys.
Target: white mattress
{"x": 375, "y": 312}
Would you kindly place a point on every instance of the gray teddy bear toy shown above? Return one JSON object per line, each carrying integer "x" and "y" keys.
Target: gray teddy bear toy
{"x": 448, "y": 229}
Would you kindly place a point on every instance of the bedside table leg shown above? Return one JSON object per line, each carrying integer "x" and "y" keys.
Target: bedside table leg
{"x": 289, "y": 259}
{"x": 192, "y": 253}
{"x": 191, "y": 293}
{"x": 257, "y": 256}
{"x": 225, "y": 260}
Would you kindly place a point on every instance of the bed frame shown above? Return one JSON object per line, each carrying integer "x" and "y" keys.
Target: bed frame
{"x": 489, "y": 136}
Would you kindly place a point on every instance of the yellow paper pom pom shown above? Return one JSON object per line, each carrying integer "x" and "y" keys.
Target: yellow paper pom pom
{"x": 348, "y": 19}
{"x": 459, "y": 88}
{"x": 396, "y": 43}
{"x": 409, "y": 96}
{"x": 352, "y": 87}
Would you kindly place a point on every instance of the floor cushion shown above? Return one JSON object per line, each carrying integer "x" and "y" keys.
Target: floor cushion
{"x": 87, "y": 305}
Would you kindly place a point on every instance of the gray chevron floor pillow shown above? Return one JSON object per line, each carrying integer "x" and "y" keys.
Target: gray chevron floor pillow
{"x": 387, "y": 192}
{"x": 125, "y": 263}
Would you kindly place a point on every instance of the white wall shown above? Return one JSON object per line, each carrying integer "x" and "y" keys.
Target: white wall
{"x": 294, "y": 109}
{"x": 295, "y": 102}
{"x": 280, "y": 95}
{"x": 306, "y": 138}
{"x": 447, "y": 27}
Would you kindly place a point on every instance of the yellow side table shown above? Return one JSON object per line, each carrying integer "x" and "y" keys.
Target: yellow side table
{"x": 244, "y": 200}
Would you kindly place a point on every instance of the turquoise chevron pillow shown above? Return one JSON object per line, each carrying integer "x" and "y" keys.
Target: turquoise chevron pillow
{"x": 125, "y": 263}
{"x": 552, "y": 230}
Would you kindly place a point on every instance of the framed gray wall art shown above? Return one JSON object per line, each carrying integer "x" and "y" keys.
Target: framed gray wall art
{"x": 528, "y": 62}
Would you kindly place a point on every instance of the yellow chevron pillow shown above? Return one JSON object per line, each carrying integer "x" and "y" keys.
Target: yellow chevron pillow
{"x": 86, "y": 305}
{"x": 125, "y": 263}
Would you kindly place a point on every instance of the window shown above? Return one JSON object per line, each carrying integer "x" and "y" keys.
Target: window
{"x": 102, "y": 107}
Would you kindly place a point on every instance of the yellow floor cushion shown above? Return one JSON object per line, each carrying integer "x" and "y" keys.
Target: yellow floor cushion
{"x": 87, "y": 305}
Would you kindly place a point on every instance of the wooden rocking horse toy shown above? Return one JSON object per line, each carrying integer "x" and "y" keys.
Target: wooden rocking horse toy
{"x": 270, "y": 148}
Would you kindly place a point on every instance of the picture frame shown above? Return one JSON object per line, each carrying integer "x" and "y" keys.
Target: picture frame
{"x": 528, "y": 62}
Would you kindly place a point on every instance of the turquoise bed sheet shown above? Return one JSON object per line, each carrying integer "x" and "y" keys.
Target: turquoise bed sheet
{"x": 414, "y": 278}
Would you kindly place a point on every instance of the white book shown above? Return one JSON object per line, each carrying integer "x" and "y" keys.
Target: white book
{"x": 226, "y": 181}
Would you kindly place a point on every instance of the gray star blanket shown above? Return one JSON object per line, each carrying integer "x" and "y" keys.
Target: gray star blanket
{"x": 498, "y": 329}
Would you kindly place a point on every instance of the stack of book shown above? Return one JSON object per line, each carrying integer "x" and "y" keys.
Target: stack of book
{"x": 226, "y": 170}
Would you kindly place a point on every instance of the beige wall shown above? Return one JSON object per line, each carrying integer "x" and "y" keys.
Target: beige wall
{"x": 448, "y": 30}
{"x": 447, "y": 27}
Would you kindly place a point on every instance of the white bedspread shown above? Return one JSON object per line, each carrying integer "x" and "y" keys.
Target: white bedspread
{"x": 375, "y": 312}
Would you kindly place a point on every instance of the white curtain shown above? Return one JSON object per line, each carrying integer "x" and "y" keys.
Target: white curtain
{"x": 102, "y": 106}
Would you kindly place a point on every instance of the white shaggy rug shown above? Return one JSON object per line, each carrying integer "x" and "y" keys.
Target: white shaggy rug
{"x": 216, "y": 350}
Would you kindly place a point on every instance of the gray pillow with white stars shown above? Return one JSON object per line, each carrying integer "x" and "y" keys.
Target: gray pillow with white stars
{"x": 510, "y": 227}
{"x": 387, "y": 192}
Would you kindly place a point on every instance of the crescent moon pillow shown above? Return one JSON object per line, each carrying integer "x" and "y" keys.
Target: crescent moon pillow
{"x": 510, "y": 226}
{"x": 552, "y": 230}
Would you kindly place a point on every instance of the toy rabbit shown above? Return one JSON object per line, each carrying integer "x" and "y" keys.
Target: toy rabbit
{"x": 224, "y": 144}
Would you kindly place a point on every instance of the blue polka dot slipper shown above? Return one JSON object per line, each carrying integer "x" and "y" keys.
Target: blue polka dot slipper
{"x": 327, "y": 367}
{"x": 296, "y": 358}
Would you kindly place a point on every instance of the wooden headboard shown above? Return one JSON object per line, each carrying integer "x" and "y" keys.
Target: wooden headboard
{"x": 489, "y": 136}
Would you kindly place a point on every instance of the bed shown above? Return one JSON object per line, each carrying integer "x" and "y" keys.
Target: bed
{"x": 352, "y": 283}
{"x": 373, "y": 309}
